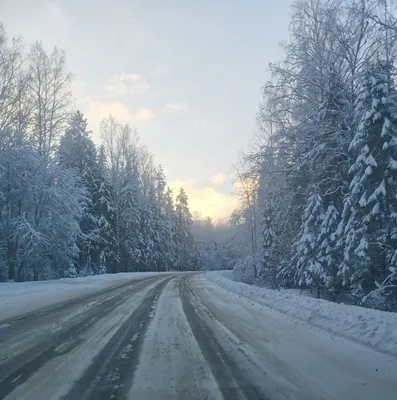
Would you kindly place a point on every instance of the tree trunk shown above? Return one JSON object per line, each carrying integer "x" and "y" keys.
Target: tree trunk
{"x": 11, "y": 259}
{"x": 36, "y": 271}
{"x": 21, "y": 276}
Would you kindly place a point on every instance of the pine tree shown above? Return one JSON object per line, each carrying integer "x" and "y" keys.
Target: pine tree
{"x": 330, "y": 256}
{"x": 370, "y": 210}
{"x": 104, "y": 206}
{"x": 184, "y": 236}
{"x": 309, "y": 270}
{"x": 133, "y": 251}
{"x": 163, "y": 236}
{"x": 78, "y": 153}
{"x": 269, "y": 268}
{"x": 152, "y": 236}
{"x": 169, "y": 230}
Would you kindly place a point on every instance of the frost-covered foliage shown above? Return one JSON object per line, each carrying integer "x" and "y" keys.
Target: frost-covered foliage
{"x": 214, "y": 244}
{"x": 370, "y": 216}
{"x": 327, "y": 125}
{"x": 70, "y": 271}
{"x": 67, "y": 207}
{"x": 183, "y": 233}
{"x": 268, "y": 273}
{"x": 329, "y": 254}
{"x": 40, "y": 208}
{"x": 243, "y": 270}
{"x": 309, "y": 269}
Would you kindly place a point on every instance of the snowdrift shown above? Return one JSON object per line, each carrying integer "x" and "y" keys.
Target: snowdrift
{"x": 373, "y": 328}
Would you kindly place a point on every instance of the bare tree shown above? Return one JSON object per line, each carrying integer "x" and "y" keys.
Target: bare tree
{"x": 246, "y": 189}
{"x": 14, "y": 86}
{"x": 51, "y": 97}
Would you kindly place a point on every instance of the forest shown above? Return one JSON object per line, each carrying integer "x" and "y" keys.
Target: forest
{"x": 67, "y": 206}
{"x": 317, "y": 185}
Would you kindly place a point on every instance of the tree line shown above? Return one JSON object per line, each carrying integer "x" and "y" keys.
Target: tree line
{"x": 318, "y": 188}
{"x": 68, "y": 207}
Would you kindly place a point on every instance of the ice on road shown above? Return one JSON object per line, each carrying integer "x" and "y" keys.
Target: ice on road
{"x": 181, "y": 337}
{"x": 23, "y": 297}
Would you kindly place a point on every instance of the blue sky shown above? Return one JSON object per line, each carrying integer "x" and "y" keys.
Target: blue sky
{"x": 186, "y": 74}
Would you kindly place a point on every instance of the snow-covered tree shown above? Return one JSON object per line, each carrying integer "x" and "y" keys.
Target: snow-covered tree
{"x": 68, "y": 208}
{"x": 330, "y": 255}
{"x": 78, "y": 153}
{"x": 269, "y": 267}
{"x": 169, "y": 230}
{"x": 309, "y": 270}
{"x": 70, "y": 271}
{"x": 50, "y": 97}
{"x": 327, "y": 154}
{"x": 369, "y": 218}
{"x": 184, "y": 237}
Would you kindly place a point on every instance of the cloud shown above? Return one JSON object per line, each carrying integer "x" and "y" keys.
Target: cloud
{"x": 96, "y": 111}
{"x": 127, "y": 85}
{"x": 176, "y": 107}
{"x": 218, "y": 179}
{"x": 141, "y": 114}
{"x": 208, "y": 201}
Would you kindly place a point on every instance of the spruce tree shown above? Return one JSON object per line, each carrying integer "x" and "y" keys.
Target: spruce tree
{"x": 184, "y": 236}
{"x": 330, "y": 256}
{"x": 370, "y": 209}
{"x": 309, "y": 270}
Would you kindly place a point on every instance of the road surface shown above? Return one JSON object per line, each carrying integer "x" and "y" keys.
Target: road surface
{"x": 181, "y": 337}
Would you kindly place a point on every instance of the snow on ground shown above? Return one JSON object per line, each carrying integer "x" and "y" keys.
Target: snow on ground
{"x": 377, "y": 329}
{"x": 171, "y": 364}
{"x": 293, "y": 360}
{"x": 56, "y": 377}
{"x": 18, "y": 298}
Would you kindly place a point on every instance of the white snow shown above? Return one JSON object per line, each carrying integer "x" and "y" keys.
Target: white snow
{"x": 285, "y": 358}
{"x": 54, "y": 379}
{"x": 373, "y": 328}
{"x": 23, "y": 297}
{"x": 171, "y": 365}
{"x": 291, "y": 359}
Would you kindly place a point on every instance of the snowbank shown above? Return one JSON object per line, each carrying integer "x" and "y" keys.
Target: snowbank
{"x": 377, "y": 329}
{"x": 23, "y": 297}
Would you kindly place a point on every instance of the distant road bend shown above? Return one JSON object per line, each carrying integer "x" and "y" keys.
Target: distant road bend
{"x": 180, "y": 337}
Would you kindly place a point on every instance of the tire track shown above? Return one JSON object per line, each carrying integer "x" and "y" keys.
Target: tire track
{"x": 18, "y": 369}
{"x": 110, "y": 375}
{"x": 21, "y": 323}
{"x": 233, "y": 383}
{"x": 59, "y": 307}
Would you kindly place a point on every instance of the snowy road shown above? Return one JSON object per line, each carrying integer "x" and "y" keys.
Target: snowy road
{"x": 181, "y": 337}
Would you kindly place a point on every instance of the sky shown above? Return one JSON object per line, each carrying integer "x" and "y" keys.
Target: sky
{"x": 186, "y": 74}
